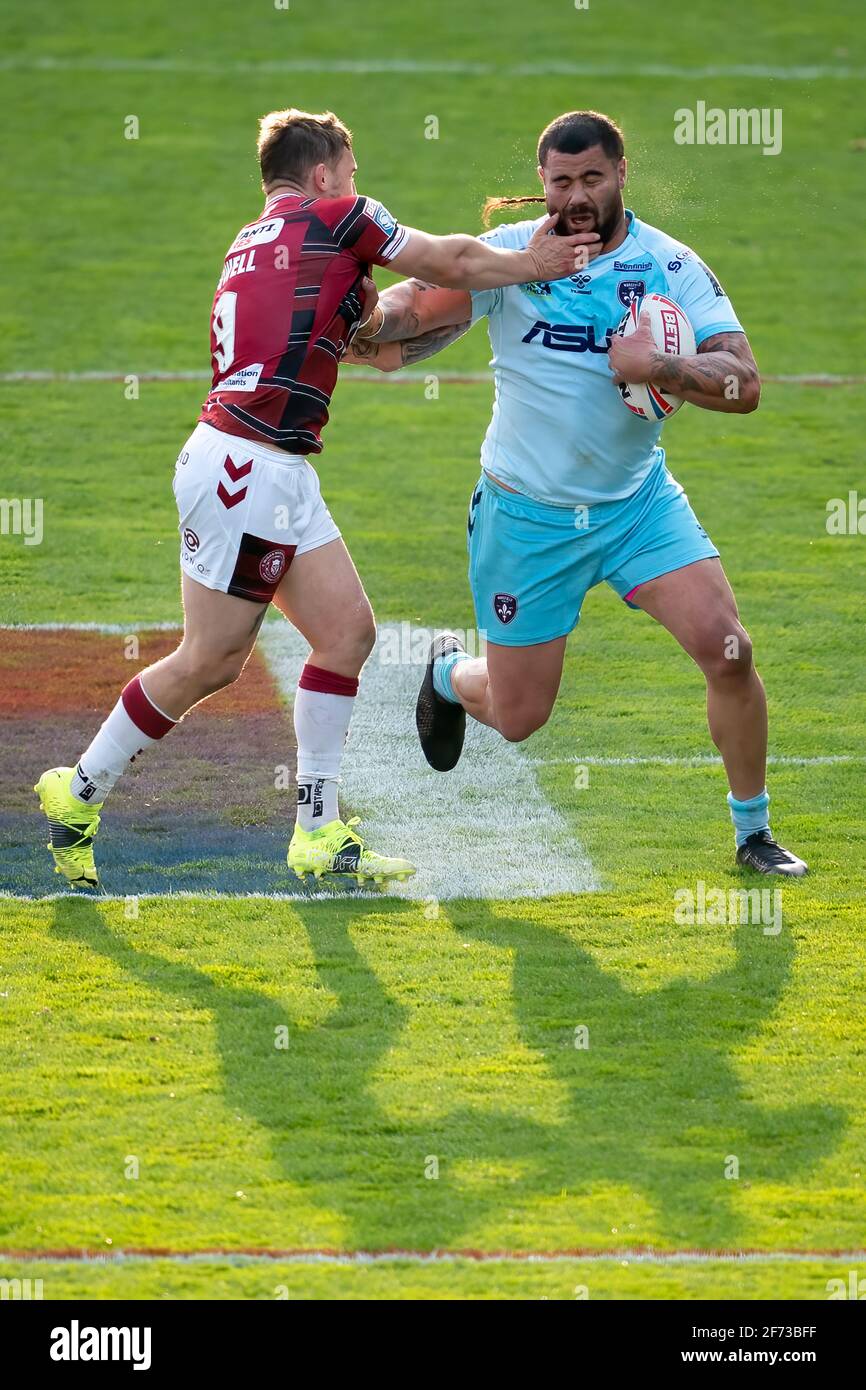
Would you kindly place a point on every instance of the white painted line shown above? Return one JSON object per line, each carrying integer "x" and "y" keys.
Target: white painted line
{"x": 385, "y": 67}
{"x": 107, "y": 629}
{"x": 695, "y": 760}
{"x": 434, "y": 1257}
{"x": 406, "y": 376}
{"x": 108, "y": 375}
{"x": 322, "y": 893}
{"x": 417, "y": 374}
{"x": 485, "y": 830}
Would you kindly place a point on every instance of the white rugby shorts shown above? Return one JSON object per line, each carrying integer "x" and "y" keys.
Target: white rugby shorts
{"x": 246, "y": 510}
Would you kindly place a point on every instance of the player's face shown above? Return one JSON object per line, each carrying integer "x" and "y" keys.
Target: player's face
{"x": 585, "y": 189}
{"x": 340, "y": 177}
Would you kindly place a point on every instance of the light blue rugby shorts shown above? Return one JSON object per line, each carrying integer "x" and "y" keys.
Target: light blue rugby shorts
{"x": 531, "y": 564}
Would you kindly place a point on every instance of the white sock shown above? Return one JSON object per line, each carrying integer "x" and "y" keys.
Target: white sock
{"x": 317, "y": 801}
{"x": 323, "y": 709}
{"x": 134, "y": 724}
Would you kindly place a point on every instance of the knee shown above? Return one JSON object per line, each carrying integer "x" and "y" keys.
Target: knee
{"x": 364, "y": 639}
{"x": 213, "y": 670}
{"x": 352, "y": 647}
{"x": 726, "y": 654}
{"x": 517, "y": 723}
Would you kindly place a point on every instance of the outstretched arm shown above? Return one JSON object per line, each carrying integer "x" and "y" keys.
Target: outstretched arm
{"x": 466, "y": 262}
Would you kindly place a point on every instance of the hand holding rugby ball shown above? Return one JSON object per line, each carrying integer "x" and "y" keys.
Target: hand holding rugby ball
{"x": 660, "y": 323}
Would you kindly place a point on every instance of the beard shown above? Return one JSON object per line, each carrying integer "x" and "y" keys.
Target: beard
{"x": 604, "y": 220}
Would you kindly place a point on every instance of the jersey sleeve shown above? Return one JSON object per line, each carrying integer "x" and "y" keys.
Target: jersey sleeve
{"x": 513, "y": 236}
{"x": 370, "y": 232}
{"x": 697, "y": 291}
{"x": 486, "y": 302}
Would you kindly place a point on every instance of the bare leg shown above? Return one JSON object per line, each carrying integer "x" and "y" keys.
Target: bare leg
{"x": 220, "y": 632}
{"x": 321, "y": 595}
{"x": 513, "y": 689}
{"x": 324, "y": 599}
{"x": 696, "y": 605}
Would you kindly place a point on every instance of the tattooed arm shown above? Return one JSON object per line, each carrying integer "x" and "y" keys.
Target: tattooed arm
{"x": 412, "y": 307}
{"x": 722, "y": 375}
{"x": 389, "y": 357}
{"x": 420, "y": 320}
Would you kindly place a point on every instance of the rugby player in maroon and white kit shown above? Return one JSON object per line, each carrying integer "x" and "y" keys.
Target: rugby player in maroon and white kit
{"x": 293, "y": 291}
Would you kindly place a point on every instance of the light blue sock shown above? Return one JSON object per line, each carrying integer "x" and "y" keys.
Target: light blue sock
{"x": 442, "y": 668}
{"x": 749, "y": 816}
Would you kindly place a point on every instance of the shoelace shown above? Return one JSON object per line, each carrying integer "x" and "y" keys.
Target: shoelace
{"x": 773, "y": 851}
{"x": 354, "y": 820}
{"x": 84, "y": 833}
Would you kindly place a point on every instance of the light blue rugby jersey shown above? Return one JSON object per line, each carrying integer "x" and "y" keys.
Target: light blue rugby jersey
{"x": 560, "y": 431}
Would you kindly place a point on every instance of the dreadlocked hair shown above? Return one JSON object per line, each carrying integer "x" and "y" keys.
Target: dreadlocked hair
{"x": 495, "y": 204}
{"x": 571, "y": 133}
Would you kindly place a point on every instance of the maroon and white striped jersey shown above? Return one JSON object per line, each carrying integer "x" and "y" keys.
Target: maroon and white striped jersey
{"x": 284, "y": 309}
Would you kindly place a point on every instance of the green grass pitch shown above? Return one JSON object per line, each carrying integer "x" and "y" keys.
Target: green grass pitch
{"x": 414, "y": 1036}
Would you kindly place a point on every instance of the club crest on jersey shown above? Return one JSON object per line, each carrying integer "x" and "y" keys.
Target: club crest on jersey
{"x": 272, "y": 566}
{"x": 630, "y": 290}
{"x": 381, "y": 216}
{"x": 538, "y": 288}
{"x": 505, "y": 607}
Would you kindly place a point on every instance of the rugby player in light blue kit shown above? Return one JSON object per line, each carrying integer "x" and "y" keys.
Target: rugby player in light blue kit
{"x": 574, "y": 489}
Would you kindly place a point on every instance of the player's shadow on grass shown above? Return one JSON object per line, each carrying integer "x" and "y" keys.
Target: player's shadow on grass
{"x": 327, "y": 1132}
{"x": 654, "y": 1105}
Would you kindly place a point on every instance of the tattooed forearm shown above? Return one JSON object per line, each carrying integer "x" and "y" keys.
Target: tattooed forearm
{"x": 723, "y": 368}
{"x": 399, "y": 304}
{"x": 690, "y": 374}
{"x": 390, "y": 357}
{"x": 426, "y": 344}
{"x": 362, "y": 347}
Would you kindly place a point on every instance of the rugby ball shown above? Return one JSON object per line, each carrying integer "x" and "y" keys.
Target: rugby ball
{"x": 673, "y": 333}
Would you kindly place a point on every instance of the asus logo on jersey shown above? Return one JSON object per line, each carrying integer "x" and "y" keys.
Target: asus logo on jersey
{"x": 568, "y": 337}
